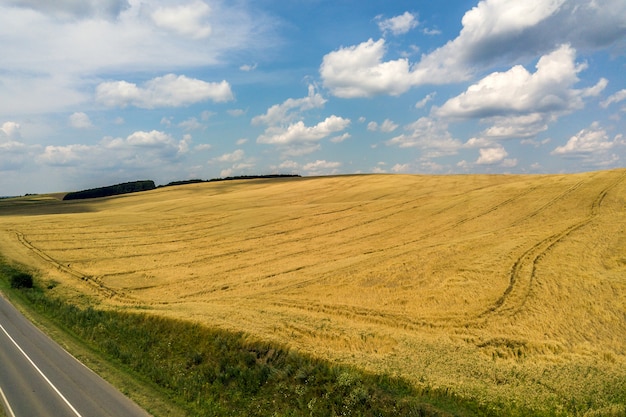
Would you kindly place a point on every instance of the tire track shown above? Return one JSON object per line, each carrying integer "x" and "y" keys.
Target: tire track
{"x": 66, "y": 269}
{"x": 524, "y": 270}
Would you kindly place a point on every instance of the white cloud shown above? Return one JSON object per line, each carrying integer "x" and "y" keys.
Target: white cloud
{"x": 290, "y": 109}
{"x": 517, "y": 91}
{"x": 321, "y": 167}
{"x": 340, "y": 138}
{"x": 359, "y": 71}
{"x": 430, "y": 135}
{"x": 188, "y": 20}
{"x": 248, "y": 67}
{"x": 235, "y": 156}
{"x": 69, "y": 155}
{"x": 299, "y": 133}
{"x": 524, "y": 126}
{"x": 495, "y": 31}
{"x": 520, "y": 104}
{"x": 153, "y": 138}
{"x": 386, "y": 126}
{"x": 10, "y": 131}
{"x": 49, "y": 63}
{"x": 614, "y": 98}
{"x": 191, "y": 124}
{"x": 140, "y": 150}
{"x": 167, "y": 91}
{"x": 508, "y": 30}
{"x": 398, "y": 25}
{"x": 288, "y": 165}
{"x": 422, "y": 103}
{"x": 491, "y": 156}
{"x": 80, "y": 120}
{"x": 593, "y": 145}
{"x": 241, "y": 141}
{"x": 399, "y": 168}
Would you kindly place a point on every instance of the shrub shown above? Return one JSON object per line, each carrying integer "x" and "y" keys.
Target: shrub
{"x": 21, "y": 280}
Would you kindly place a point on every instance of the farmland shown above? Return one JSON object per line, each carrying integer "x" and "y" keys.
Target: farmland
{"x": 505, "y": 288}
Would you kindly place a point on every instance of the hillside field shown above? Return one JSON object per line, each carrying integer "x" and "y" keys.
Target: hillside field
{"x": 507, "y": 288}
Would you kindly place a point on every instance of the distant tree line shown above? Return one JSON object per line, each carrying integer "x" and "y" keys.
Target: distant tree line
{"x": 239, "y": 177}
{"x": 135, "y": 186}
{"x": 124, "y": 188}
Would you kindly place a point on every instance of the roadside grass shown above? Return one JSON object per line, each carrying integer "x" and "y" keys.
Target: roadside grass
{"x": 145, "y": 393}
{"x": 209, "y": 372}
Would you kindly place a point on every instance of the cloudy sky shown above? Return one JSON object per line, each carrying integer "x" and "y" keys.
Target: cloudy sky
{"x": 96, "y": 92}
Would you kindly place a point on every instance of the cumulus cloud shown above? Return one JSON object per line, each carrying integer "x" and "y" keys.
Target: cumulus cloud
{"x": 138, "y": 151}
{"x": 293, "y": 136}
{"x": 387, "y": 126}
{"x": 321, "y": 167}
{"x": 69, "y": 155}
{"x": 167, "y": 91}
{"x": 593, "y": 145}
{"x": 430, "y": 135}
{"x": 191, "y": 124}
{"x": 517, "y": 91}
{"x": 495, "y": 31}
{"x": 290, "y": 109}
{"x": 10, "y": 131}
{"x": 49, "y": 63}
{"x": 520, "y": 104}
{"x": 359, "y": 71}
{"x": 509, "y": 30}
{"x": 491, "y": 156}
{"x": 398, "y": 25}
{"x": 186, "y": 20}
{"x": 299, "y": 133}
{"x": 235, "y": 156}
{"x": 80, "y": 120}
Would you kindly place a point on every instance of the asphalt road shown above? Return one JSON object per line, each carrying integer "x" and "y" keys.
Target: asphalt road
{"x": 38, "y": 378}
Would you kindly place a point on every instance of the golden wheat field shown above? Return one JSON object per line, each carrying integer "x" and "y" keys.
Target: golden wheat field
{"x": 505, "y": 287}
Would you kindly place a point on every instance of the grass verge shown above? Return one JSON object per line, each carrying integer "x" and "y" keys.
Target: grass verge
{"x": 181, "y": 368}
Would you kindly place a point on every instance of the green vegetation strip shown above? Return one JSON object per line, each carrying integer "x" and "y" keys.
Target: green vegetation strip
{"x": 210, "y": 372}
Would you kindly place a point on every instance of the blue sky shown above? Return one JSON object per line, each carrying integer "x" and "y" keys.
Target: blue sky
{"x": 95, "y": 92}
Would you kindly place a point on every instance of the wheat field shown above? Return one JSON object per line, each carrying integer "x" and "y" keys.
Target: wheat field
{"x": 506, "y": 288}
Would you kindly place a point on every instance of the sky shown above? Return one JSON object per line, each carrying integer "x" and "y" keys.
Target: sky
{"x": 98, "y": 92}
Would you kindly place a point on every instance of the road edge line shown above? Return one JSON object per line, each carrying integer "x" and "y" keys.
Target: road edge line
{"x": 40, "y": 372}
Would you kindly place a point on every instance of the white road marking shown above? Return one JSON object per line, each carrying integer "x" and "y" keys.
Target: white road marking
{"x": 6, "y": 403}
{"x": 40, "y": 373}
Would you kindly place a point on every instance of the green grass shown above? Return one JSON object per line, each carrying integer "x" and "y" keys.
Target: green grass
{"x": 211, "y": 372}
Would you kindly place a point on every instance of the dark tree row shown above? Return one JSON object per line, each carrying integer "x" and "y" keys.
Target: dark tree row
{"x": 240, "y": 177}
{"x": 124, "y": 188}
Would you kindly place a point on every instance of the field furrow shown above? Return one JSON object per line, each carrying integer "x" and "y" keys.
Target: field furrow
{"x": 447, "y": 280}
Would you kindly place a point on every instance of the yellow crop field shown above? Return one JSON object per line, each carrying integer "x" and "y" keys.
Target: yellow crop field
{"x": 506, "y": 287}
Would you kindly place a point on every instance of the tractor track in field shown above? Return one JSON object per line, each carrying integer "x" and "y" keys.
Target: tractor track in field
{"x": 523, "y": 272}
{"x": 67, "y": 269}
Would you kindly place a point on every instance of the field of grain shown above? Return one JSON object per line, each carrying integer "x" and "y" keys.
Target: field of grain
{"x": 501, "y": 288}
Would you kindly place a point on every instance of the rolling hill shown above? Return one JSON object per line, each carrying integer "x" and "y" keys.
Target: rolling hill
{"x": 506, "y": 287}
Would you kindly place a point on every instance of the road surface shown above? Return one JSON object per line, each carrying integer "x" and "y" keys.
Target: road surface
{"x": 38, "y": 378}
